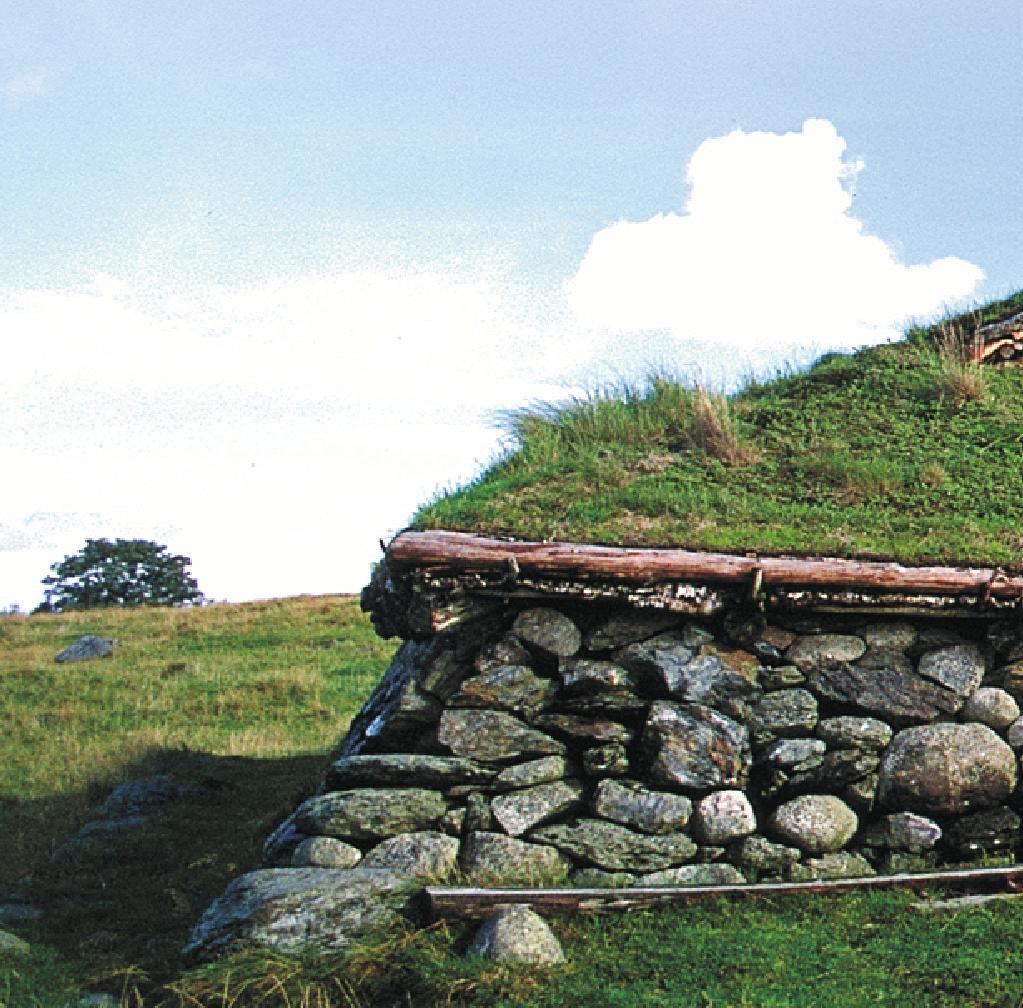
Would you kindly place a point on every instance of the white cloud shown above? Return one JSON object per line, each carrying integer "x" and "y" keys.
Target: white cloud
{"x": 766, "y": 254}
{"x": 273, "y": 432}
{"x": 26, "y": 87}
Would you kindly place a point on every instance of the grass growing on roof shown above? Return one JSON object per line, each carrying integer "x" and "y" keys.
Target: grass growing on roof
{"x": 905, "y": 451}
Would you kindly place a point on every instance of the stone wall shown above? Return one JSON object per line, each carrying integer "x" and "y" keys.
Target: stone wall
{"x": 595, "y": 746}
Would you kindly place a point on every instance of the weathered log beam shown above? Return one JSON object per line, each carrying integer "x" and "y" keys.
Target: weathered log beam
{"x": 459, "y": 552}
{"x": 468, "y": 903}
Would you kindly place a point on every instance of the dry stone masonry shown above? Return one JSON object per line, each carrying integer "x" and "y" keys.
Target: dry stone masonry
{"x": 594, "y": 745}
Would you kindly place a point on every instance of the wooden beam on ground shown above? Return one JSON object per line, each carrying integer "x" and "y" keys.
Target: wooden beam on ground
{"x": 468, "y": 903}
{"x": 460, "y": 552}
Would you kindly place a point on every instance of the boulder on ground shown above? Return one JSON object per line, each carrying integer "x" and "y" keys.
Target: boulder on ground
{"x": 86, "y": 648}
{"x": 288, "y": 909}
{"x": 517, "y": 934}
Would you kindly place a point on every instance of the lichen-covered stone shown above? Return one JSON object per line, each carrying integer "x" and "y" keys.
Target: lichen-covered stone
{"x": 405, "y": 770}
{"x": 577, "y": 728}
{"x": 478, "y": 817}
{"x": 693, "y": 746}
{"x": 808, "y": 652}
{"x": 609, "y": 760}
{"x": 609, "y": 845}
{"x": 585, "y": 675}
{"x": 517, "y": 934}
{"x": 990, "y": 831}
{"x": 515, "y": 688}
{"x": 885, "y": 658}
{"x": 905, "y": 831}
{"x": 898, "y": 697}
{"x": 990, "y": 706}
{"x": 597, "y": 878}
{"x": 855, "y": 732}
{"x": 325, "y": 852}
{"x": 959, "y": 668}
{"x": 816, "y": 824}
{"x": 836, "y": 865}
{"x": 694, "y": 875}
{"x": 493, "y": 735}
{"x": 538, "y": 771}
{"x": 547, "y": 632}
{"x": 794, "y": 753}
{"x": 288, "y": 909}
{"x": 370, "y": 813}
{"x": 496, "y": 859}
{"x": 508, "y": 650}
{"x": 621, "y": 629}
{"x": 758, "y": 856}
{"x": 893, "y": 634}
{"x": 722, "y": 817}
{"x": 656, "y": 662}
{"x": 781, "y": 677}
{"x": 946, "y": 769}
{"x": 633, "y": 805}
{"x": 519, "y": 811}
{"x": 415, "y": 855}
{"x": 784, "y": 713}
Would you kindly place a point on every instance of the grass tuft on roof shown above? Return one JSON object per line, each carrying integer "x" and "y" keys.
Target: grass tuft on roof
{"x": 907, "y": 451}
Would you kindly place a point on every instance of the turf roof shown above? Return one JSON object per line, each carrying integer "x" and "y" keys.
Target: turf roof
{"x": 899, "y": 452}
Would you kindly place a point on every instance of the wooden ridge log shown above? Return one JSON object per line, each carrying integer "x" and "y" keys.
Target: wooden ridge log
{"x": 460, "y": 552}
{"x": 469, "y": 903}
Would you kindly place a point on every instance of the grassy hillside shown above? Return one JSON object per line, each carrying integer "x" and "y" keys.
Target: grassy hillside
{"x": 242, "y": 700}
{"x": 905, "y": 451}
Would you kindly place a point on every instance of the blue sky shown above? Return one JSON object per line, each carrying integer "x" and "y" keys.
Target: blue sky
{"x": 268, "y": 269}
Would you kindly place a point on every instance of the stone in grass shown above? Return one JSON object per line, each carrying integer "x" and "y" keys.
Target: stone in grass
{"x": 415, "y": 855}
{"x": 11, "y": 945}
{"x": 723, "y": 817}
{"x": 325, "y": 852}
{"x": 370, "y": 813}
{"x": 495, "y": 859}
{"x": 517, "y": 934}
{"x": 611, "y": 846}
{"x": 547, "y": 633}
{"x": 519, "y": 811}
{"x": 493, "y": 735}
{"x": 992, "y": 707}
{"x": 695, "y": 747}
{"x": 632, "y": 804}
{"x": 288, "y": 909}
{"x": 538, "y": 771}
{"x": 136, "y": 797}
{"x": 85, "y": 649}
{"x": 816, "y": 824}
{"x": 694, "y": 875}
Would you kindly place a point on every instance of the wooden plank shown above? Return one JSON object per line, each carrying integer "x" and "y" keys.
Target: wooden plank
{"x": 460, "y": 552}
{"x": 472, "y": 903}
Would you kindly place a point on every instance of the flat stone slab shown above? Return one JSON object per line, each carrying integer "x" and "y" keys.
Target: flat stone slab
{"x": 370, "y": 813}
{"x": 400, "y": 770}
{"x": 288, "y": 909}
{"x": 493, "y": 735}
{"x": 611, "y": 846}
{"x": 519, "y": 811}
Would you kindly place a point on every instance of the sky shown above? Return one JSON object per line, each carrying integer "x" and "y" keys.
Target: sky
{"x": 270, "y": 271}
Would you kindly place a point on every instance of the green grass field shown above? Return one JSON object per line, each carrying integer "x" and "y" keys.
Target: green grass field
{"x": 247, "y": 700}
